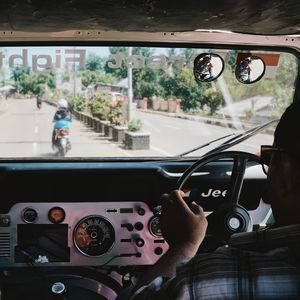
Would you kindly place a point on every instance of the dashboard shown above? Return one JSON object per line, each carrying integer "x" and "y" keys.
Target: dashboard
{"x": 80, "y": 234}
{"x": 102, "y": 214}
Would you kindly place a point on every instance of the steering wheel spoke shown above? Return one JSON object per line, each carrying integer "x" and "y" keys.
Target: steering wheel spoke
{"x": 237, "y": 178}
{"x": 230, "y": 217}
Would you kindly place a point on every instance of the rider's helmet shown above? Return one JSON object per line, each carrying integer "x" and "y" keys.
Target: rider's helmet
{"x": 62, "y": 104}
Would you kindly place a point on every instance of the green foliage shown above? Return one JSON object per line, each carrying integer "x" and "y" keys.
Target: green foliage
{"x": 135, "y": 125}
{"x": 65, "y": 77}
{"x": 146, "y": 83}
{"x": 168, "y": 84}
{"x": 213, "y": 99}
{"x": 99, "y": 106}
{"x": 94, "y": 62}
{"x": 32, "y": 83}
{"x": 79, "y": 103}
{"x": 115, "y": 114}
{"x": 284, "y": 88}
{"x": 121, "y": 72}
{"x": 189, "y": 91}
{"x": 91, "y": 77}
{"x": 190, "y": 55}
{"x": 18, "y": 74}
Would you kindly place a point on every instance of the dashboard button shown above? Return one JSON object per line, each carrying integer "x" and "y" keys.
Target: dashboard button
{"x": 56, "y": 215}
{"x": 139, "y": 242}
{"x": 4, "y": 221}
{"x": 58, "y": 288}
{"x": 29, "y": 215}
{"x": 141, "y": 211}
{"x": 139, "y": 226}
{"x": 158, "y": 250}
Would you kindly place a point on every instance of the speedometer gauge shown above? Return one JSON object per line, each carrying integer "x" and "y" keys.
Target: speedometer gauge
{"x": 94, "y": 236}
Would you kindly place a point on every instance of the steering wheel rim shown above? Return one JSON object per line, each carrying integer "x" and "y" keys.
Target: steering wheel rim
{"x": 230, "y": 217}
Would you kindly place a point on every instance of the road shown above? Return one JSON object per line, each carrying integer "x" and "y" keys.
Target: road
{"x": 26, "y": 131}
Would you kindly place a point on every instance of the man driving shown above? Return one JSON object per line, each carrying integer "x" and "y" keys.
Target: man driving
{"x": 230, "y": 272}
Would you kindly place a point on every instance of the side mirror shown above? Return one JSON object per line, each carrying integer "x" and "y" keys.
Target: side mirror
{"x": 208, "y": 67}
{"x": 250, "y": 70}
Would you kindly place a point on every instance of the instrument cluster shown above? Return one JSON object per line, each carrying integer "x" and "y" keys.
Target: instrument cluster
{"x": 80, "y": 234}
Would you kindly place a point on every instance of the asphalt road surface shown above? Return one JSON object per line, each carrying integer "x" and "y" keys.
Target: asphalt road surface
{"x": 25, "y": 131}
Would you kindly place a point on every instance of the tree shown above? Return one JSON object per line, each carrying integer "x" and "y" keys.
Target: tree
{"x": 145, "y": 81}
{"x": 189, "y": 91}
{"x": 117, "y": 53}
{"x": 31, "y": 83}
{"x": 94, "y": 62}
{"x": 213, "y": 98}
{"x": 89, "y": 77}
{"x": 18, "y": 74}
{"x": 189, "y": 55}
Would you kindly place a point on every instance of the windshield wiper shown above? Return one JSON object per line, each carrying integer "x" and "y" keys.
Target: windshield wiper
{"x": 206, "y": 144}
{"x": 236, "y": 139}
{"x": 242, "y": 137}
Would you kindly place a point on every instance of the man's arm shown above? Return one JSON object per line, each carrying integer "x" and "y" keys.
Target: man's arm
{"x": 184, "y": 228}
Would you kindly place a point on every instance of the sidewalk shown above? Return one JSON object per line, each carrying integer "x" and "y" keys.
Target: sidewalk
{"x": 3, "y": 106}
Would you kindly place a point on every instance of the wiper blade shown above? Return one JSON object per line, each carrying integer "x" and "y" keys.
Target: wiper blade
{"x": 242, "y": 137}
{"x": 205, "y": 145}
{"x": 236, "y": 139}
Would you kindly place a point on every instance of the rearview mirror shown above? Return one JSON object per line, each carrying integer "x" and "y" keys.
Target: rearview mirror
{"x": 208, "y": 67}
{"x": 250, "y": 69}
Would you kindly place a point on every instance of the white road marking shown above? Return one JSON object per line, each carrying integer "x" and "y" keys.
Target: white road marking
{"x": 34, "y": 148}
{"x": 36, "y": 129}
{"x": 122, "y": 151}
{"x": 161, "y": 151}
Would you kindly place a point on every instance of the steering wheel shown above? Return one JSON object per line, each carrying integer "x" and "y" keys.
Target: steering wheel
{"x": 230, "y": 217}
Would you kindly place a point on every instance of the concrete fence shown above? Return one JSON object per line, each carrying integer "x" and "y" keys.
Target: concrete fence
{"x": 160, "y": 104}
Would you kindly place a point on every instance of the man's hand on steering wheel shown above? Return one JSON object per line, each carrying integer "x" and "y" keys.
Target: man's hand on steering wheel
{"x": 183, "y": 225}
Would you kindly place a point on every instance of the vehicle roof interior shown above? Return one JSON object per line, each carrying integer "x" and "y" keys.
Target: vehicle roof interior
{"x": 255, "y": 16}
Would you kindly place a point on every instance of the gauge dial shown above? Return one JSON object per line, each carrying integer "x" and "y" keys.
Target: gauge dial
{"x": 94, "y": 236}
{"x": 29, "y": 215}
{"x": 56, "y": 215}
{"x": 154, "y": 227}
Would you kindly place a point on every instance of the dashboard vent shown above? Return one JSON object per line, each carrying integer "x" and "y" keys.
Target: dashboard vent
{"x": 4, "y": 244}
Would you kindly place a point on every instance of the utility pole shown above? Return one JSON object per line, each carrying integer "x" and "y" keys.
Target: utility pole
{"x": 129, "y": 93}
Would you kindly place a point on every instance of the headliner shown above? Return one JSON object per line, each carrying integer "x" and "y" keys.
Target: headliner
{"x": 246, "y": 16}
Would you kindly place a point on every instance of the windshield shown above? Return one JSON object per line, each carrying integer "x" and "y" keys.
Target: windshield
{"x": 103, "y": 101}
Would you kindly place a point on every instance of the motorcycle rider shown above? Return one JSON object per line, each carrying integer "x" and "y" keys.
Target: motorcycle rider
{"x": 38, "y": 101}
{"x": 61, "y": 119}
{"x": 244, "y": 71}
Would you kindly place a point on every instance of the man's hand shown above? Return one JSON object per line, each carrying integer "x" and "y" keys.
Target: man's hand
{"x": 183, "y": 226}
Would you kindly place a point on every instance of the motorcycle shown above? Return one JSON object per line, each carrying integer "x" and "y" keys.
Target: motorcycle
{"x": 38, "y": 102}
{"x": 62, "y": 141}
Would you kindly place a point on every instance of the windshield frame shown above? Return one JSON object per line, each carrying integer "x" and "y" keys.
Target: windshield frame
{"x": 160, "y": 44}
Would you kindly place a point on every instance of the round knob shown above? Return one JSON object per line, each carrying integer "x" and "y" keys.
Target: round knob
{"x": 141, "y": 211}
{"x": 234, "y": 223}
{"x": 29, "y": 215}
{"x": 139, "y": 242}
{"x": 138, "y": 226}
{"x": 58, "y": 288}
{"x": 158, "y": 251}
